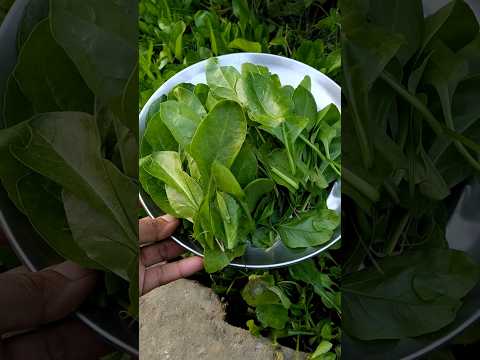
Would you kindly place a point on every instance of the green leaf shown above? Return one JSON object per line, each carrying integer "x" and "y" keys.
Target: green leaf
{"x": 16, "y": 106}
{"x": 245, "y": 45}
{"x": 308, "y": 272}
{"x": 154, "y": 188}
{"x": 266, "y": 103}
{"x": 187, "y": 98}
{"x": 98, "y": 37}
{"x": 41, "y": 58}
{"x": 230, "y": 211}
{"x": 99, "y": 235}
{"x": 222, "y": 79}
{"x": 305, "y": 105}
{"x": 278, "y": 163}
{"x": 37, "y": 194}
{"x": 35, "y": 11}
{"x": 181, "y": 120}
{"x": 256, "y": 190}
{"x": 245, "y": 166}
{"x": 226, "y": 181}
{"x": 416, "y": 293}
{"x": 404, "y": 17}
{"x": 84, "y": 172}
{"x": 253, "y": 328}
{"x": 274, "y": 316}
{"x": 366, "y": 52}
{"x": 217, "y": 139}
{"x": 157, "y": 137}
{"x": 454, "y": 24}
{"x": 306, "y": 83}
{"x": 216, "y": 259}
{"x": 309, "y": 229}
{"x": 183, "y": 192}
{"x": 258, "y": 291}
{"x": 322, "y": 348}
{"x": 12, "y": 170}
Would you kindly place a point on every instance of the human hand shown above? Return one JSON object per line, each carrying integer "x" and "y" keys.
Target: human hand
{"x": 153, "y": 269}
{"x": 33, "y": 308}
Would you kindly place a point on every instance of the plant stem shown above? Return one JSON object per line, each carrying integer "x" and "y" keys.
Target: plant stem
{"x": 392, "y": 242}
{"x": 323, "y": 157}
{"x": 361, "y": 185}
{"x": 432, "y": 121}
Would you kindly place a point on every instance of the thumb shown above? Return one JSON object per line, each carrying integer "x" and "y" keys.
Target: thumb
{"x": 28, "y": 300}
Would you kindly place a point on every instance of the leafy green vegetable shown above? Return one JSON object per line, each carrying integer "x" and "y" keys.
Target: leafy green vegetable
{"x": 68, "y": 143}
{"x": 407, "y": 81}
{"x": 221, "y": 145}
{"x": 417, "y": 293}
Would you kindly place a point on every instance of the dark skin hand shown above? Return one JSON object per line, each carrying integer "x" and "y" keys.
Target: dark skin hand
{"x": 34, "y": 309}
{"x": 156, "y": 249}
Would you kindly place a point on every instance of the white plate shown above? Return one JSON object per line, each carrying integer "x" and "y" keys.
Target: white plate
{"x": 290, "y": 72}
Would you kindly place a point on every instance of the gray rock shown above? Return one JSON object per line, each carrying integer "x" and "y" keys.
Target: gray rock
{"x": 185, "y": 321}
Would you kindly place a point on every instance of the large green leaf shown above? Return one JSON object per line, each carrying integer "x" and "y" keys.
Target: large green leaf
{"x": 184, "y": 194}
{"x": 154, "y": 187}
{"x": 181, "y": 120}
{"x": 454, "y": 24}
{"x": 42, "y": 58}
{"x": 37, "y": 194}
{"x": 309, "y": 229}
{"x": 416, "y": 293}
{"x": 245, "y": 166}
{"x": 219, "y": 137}
{"x": 90, "y": 178}
{"x": 271, "y": 315}
{"x": 222, "y": 79}
{"x": 263, "y": 97}
{"x": 100, "y": 39}
{"x": 404, "y": 17}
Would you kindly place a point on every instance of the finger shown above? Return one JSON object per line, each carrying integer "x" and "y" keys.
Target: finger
{"x": 30, "y": 299}
{"x": 165, "y": 250}
{"x": 19, "y": 269}
{"x": 70, "y": 340}
{"x": 161, "y": 275}
{"x": 151, "y": 230}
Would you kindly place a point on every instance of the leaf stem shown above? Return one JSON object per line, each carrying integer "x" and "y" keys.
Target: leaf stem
{"x": 361, "y": 185}
{"x": 392, "y": 242}
{"x": 323, "y": 157}
{"x": 432, "y": 121}
{"x": 395, "y": 85}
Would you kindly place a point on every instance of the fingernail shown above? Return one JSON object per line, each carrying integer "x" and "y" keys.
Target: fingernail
{"x": 168, "y": 218}
{"x": 71, "y": 270}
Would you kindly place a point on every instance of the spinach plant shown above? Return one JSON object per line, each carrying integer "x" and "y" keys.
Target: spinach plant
{"x": 244, "y": 160}
{"x": 411, "y": 134}
{"x": 68, "y": 147}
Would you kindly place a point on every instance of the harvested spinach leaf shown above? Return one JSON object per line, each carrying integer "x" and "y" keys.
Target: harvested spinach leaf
{"x": 410, "y": 110}
{"x": 243, "y": 168}
{"x": 68, "y": 145}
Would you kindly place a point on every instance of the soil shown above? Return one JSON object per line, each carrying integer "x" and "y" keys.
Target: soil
{"x": 185, "y": 321}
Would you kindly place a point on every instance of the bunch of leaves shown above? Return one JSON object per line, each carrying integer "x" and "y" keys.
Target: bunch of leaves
{"x": 411, "y": 134}
{"x": 298, "y": 307}
{"x": 176, "y": 34}
{"x": 68, "y": 146}
{"x": 245, "y": 160}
